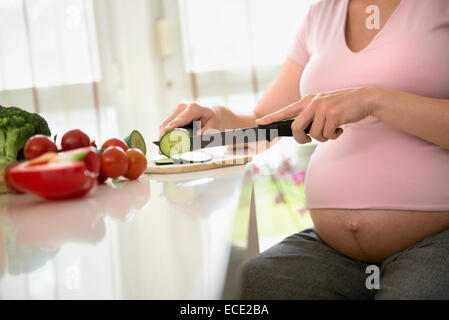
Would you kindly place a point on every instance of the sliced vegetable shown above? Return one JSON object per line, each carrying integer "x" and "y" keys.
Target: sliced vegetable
{"x": 136, "y": 140}
{"x": 45, "y": 158}
{"x": 192, "y": 157}
{"x": 61, "y": 177}
{"x": 164, "y": 162}
{"x": 8, "y": 182}
{"x": 178, "y": 140}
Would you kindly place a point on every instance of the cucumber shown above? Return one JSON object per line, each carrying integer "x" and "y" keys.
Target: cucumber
{"x": 135, "y": 140}
{"x": 191, "y": 157}
{"x": 175, "y": 141}
{"x": 164, "y": 162}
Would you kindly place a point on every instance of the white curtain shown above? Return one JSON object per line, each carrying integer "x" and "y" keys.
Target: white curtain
{"x": 87, "y": 64}
{"x": 234, "y": 48}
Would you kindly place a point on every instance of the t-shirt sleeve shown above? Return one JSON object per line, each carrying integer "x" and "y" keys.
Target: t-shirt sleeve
{"x": 299, "y": 51}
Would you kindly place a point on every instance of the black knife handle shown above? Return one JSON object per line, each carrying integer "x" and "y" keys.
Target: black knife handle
{"x": 284, "y": 128}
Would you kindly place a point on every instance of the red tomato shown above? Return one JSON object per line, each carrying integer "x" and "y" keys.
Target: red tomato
{"x": 114, "y": 162}
{"x": 10, "y": 184}
{"x": 38, "y": 145}
{"x": 137, "y": 163}
{"x": 74, "y": 139}
{"x": 114, "y": 142}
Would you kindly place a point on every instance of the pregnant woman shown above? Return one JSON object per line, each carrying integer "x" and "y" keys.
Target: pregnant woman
{"x": 377, "y": 187}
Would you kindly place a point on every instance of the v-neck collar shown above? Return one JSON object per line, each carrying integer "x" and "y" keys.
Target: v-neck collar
{"x": 381, "y": 31}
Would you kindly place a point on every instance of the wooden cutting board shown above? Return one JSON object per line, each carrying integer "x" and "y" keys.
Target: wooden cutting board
{"x": 217, "y": 162}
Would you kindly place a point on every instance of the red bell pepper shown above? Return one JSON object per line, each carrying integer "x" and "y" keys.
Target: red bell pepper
{"x": 9, "y": 184}
{"x": 61, "y": 176}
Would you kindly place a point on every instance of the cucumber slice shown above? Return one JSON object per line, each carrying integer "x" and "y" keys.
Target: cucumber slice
{"x": 192, "y": 157}
{"x": 164, "y": 162}
{"x": 178, "y": 140}
{"x": 136, "y": 140}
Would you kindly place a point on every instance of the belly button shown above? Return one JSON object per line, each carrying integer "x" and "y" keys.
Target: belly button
{"x": 352, "y": 226}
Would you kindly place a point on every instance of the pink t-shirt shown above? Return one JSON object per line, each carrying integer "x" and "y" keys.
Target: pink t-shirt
{"x": 373, "y": 165}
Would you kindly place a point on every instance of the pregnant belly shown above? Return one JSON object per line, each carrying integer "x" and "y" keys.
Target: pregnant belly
{"x": 374, "y": 235}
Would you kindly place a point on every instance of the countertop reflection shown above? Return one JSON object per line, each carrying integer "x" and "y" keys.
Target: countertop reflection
{"x": 161, "y": 237}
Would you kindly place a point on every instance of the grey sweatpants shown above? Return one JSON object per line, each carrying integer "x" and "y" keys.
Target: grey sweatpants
{"x": 304, "y": 267}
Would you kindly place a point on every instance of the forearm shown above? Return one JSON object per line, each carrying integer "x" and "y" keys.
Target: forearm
{"x": 424, "y": 117}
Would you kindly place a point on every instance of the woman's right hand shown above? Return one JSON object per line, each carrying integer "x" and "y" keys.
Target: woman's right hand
{"x": 186, "y": 113}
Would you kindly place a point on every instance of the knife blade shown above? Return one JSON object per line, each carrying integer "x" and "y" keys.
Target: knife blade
{"x": 244, "y": 135}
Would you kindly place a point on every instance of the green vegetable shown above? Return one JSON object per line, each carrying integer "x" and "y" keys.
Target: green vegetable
{"x": 135, "y": 140}
{"x": 163, "y": 162}
{"x": 16, "y": 127}
{"x": 178, "y": 140}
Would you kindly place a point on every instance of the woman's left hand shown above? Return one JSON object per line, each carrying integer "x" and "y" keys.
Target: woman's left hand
{"x": 328, "y": 111}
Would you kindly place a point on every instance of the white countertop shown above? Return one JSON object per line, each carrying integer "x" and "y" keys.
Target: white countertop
{"x": 162, "y": 237}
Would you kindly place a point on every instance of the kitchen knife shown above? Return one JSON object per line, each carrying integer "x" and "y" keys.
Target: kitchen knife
{"x": 244, "y": 135}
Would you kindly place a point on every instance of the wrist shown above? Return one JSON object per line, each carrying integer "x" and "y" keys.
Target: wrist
{"x": 375, "y": 100}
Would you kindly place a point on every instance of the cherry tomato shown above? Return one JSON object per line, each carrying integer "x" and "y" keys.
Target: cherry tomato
{"x": 8, "y": 182}
{"x": 114, "y": 162}
{"x": 115, "y": 142}
{"x": 74, "y": 139}
{"x": 38, "y": 145}
{"x": 137, "y": 164}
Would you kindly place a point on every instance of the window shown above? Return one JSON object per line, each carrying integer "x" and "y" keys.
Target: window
{"x": 234, "y": 49}
{"x": 235, "y": 34}
{"x": 47, "y": 43}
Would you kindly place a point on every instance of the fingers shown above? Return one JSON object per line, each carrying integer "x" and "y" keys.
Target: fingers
{"x": 300, "y": 124}
{"x": 331, "y": 129}
{"x": 180, "y": 108}
{"x": 206, "y": 128}
{"x": 319, "y": 121}
{"x": 288, "y": 112}
{"x": 323, "y": 110}
{"x": 182, "y": 116}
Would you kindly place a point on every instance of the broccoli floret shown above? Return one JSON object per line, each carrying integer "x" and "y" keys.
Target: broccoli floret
{"x": 42, "y": 125}
{"x": 16, "y": 127}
